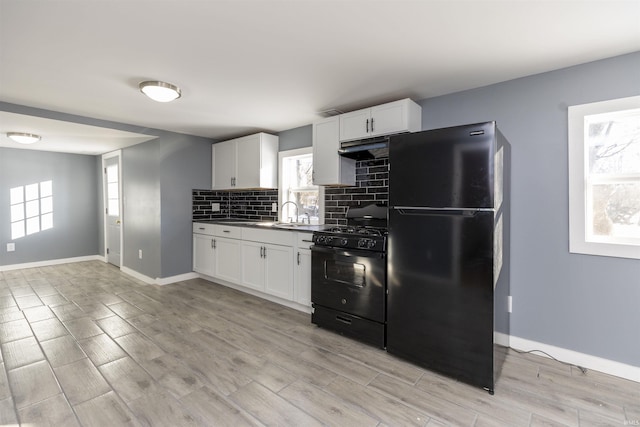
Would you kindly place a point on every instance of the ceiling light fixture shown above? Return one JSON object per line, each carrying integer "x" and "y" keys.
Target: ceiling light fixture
{"x": 160, "y": 91}
{"x": 23, "y": 138}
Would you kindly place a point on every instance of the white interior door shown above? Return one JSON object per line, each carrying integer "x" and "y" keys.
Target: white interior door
{"x": 112, "y": 203}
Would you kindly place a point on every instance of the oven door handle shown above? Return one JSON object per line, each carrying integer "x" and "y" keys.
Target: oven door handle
{"x": 346, "y": 252}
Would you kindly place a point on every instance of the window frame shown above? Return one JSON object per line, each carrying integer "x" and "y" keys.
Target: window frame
{"x": 579, "y": 240}
{"x": 282, "y": 156}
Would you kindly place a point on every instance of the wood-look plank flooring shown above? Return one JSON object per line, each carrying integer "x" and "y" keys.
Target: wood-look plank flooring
{"x": 85, "y": 345}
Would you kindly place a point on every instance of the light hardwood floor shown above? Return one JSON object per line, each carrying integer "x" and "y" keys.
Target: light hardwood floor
{"x": 83, "y": 344}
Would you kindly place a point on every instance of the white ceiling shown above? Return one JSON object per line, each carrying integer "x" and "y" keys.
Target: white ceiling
{"x": 249, "y": 65}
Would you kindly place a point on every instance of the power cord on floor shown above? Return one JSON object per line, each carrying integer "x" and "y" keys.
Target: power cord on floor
{"x": 582, "y": 369}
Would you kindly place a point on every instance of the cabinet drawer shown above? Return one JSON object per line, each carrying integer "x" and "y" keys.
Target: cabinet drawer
{"x": 303, "y": 240}
{"x": 228, "y": 231}
{"x": 201, "y": 228}
{"x": 275, "y": 237}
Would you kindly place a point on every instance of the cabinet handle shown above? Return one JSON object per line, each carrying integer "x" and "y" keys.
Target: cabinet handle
{"x": 265, "y": 252}
{"x": 367, "y": 126}
{"x": 298, "y": 258}
{"x": 371, "y": 124}
{"x": 200, "y": 228}
{"x": 226, "y": 231}
{"x": 214, "y": 243}
{"x": 261, "y": 248}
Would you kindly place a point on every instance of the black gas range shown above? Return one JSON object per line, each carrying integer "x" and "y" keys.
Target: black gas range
{"x": 352, "y": 237}
{"x": 349, "y": 275}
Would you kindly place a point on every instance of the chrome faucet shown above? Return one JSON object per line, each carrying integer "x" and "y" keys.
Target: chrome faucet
{"x": 294, "y": 204}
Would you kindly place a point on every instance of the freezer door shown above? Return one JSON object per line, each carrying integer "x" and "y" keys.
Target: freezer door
{"x": 446, "y": 168}
{"x": 440, "y": 300}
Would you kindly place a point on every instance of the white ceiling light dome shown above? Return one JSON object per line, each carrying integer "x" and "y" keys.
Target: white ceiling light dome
{"x": 160, "y": 91}
{"x": 23, "y": 138}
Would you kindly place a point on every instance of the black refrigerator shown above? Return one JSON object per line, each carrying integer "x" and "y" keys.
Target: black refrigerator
{"x": 448, "y": 257}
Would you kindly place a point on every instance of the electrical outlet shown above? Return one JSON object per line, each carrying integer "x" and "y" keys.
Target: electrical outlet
{"x": 215, "y": 207}
{"x": 510, "y": 304}
{"x": 274, "y": 207}
{"x": 140, "y": 253}
{"x": 11, "y": 247}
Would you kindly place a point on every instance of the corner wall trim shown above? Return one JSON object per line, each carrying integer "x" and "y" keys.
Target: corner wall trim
{"x": 50, "y": 262}
{"x": 588, "y": 361}
{"x": 158, "y": 280}
{"x": 179, "y": 278}
{"x": 146, "y": 279}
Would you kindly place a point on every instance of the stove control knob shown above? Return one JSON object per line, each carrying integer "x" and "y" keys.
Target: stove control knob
{"x": 321, "y": 239}
{"x": 329, "y": 239}
{"x": 362, "y": 243}
{"x": 371, "y": 244}
{"x": 344, "y": 242}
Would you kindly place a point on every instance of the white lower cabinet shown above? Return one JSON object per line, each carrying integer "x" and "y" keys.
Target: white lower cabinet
{"x": 227, "y": 259}
{"x": 302, "y": 270}
{"x": 273, "y": 262}
{"x": 203, "y": 258}
{"x": 268, "y": 267}
{"x": 278, "y": 271}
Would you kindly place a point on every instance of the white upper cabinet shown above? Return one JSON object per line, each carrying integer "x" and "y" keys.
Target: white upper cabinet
{"x": 329, "y": 168}
{"x": 394, "y": 117}
{"x": 245, "y": 163}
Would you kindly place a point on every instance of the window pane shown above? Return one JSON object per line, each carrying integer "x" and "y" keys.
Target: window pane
{"x": 46, "y": 205}
{"x": 31, "y": 192}
{"x": 113, "y": 207}
{"x": 307, "y": 202}
{"x": 112, "y": 173}
{"x": 304, "y": 169}
{"x": 46, "y": 189}
{"x": 112, "y": 190}
{"x": 17, "y": 195}
{"x": 17, "y": 212}
{"x": 33, "y": 208}
{"x": 33, "y": 225}
{"x": 616, "y": 210}
{"x": 47, "y": 221}
{"x": 17, "y": 230}
{"x": 614, "y": 142}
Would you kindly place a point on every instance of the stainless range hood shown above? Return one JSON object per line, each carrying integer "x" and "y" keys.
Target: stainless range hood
{"x": 364, "y": 149}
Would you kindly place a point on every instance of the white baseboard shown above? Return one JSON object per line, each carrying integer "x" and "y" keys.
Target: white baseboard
{"x": 50, "y": 262}
{"x": 146, "y": 279}
{"x": 588, "y": 361}
{"x": 501, "y": 339}
{"x": 159, "y": 280}
{"x": 173, "y": 279}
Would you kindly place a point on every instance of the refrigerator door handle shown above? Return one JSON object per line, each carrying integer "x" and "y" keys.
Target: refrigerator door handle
{"x": 419, "y": 210}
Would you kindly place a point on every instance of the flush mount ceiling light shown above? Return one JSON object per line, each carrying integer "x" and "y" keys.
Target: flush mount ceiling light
{"x": 160, "y": 91}
{"x": 23, "y": 138}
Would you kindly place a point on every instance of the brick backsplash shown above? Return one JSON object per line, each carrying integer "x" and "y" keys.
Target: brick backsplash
{"x": 372, "y": 186}
{"x": 250, "y": 204}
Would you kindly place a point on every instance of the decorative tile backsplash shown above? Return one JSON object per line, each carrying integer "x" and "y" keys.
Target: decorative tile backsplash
{"x": 250, "y": 204}
{"x": 372, "y": 186}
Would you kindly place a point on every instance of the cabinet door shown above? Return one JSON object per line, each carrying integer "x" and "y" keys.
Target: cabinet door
{"x": 355, "y": 125}
{"x": 252, "y": 265}
{"x": 329, "y": 168}
{"x": 224, "y": 165}
{"x": 248, "y": 161}
{"x": 279, "y": 271}
{"x": 389, "y": 118}
{"x": 203, "y": 254}
{"x": 302, "y": 285}
{"x": 227, "y": 259}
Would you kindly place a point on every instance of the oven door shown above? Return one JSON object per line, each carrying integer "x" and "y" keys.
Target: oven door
{"x": 351, "y": 281}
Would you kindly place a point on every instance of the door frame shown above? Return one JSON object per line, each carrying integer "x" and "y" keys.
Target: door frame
{"x": 105, "y": 157}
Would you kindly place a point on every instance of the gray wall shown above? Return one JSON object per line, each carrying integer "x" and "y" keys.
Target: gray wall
{"x": 75, "y": 206}
{"x": 158, "y": 177}
{"x": 295, "y": 138}
{"x": 584, "y": 303}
